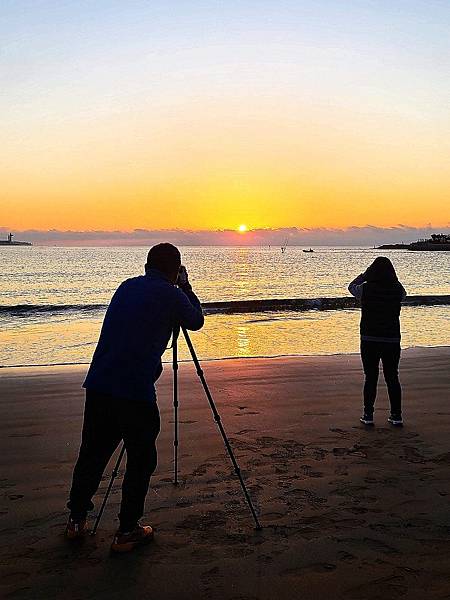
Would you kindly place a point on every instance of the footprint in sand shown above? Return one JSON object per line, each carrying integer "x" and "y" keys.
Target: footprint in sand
{"x": 346, "y": 556}
{"x": 203, "y": 522}
{"x": 319, "y": 453}
{"x": 272, "y": 516}
{"x": 442, "y": 458}
{"x": 358, "y": 510}
{"x": 341, "y": 470}
{"x": 372, "y": 544}
{"x": 200, "y": 470}
{"x": 4, "y": 484}
{"x": 352, "y": 451}
{"x": 298, "y": 496}
{"x": 384, "y": 587}
{"x": 412, "y": 455}
{"x": 183, "y": 503}
{"x": 308, "y": 471}
{"x": 338, "y": 430}
{"x": 281, "y": 470}
{"x": 231, "y": 505}
{"x": 349, "y": 490}
{"x": 309, "y": 569}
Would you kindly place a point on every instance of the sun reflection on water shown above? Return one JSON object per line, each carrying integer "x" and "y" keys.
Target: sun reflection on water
{"x": 243, "y": 341}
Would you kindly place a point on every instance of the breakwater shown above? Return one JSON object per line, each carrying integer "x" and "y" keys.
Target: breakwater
{"x": 304, "y": 304}
{"x": 228, "y": 307}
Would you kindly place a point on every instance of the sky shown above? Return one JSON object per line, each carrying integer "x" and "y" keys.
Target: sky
{"x": 192, "y": 115}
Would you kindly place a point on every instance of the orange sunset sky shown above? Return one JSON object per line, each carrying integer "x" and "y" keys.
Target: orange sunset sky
{"x": 207, "y": 115}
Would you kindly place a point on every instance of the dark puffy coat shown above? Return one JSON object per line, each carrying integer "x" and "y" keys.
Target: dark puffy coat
{"x": 380, "y": 309}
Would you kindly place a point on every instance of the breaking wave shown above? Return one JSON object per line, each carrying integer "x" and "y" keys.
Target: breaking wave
{"x": 228, "y": 307}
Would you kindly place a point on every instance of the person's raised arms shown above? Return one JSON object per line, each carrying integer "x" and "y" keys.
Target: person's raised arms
{"x": 356, "y": 286}
{"x": 188, "y": 310}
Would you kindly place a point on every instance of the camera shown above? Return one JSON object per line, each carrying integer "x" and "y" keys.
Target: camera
{"x": 182, "y": 279}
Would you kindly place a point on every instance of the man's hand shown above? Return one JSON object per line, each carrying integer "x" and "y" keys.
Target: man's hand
{"x": 183, "y": 279}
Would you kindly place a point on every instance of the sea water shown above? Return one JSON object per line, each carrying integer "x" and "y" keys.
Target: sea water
{"x": 52, "y": 299}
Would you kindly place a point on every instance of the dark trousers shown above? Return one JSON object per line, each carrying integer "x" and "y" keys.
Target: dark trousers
{"x": 107, "y": 421}
{"x": 389, "y": 354}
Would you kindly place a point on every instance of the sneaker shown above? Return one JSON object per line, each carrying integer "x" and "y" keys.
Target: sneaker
{"x": 75, "y": 530}
{"x": 367, "y": 419}
{"x": 127, "y": 541}
{"x": 395, "y": 420}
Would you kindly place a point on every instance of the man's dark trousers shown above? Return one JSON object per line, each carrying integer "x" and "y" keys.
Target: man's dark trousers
{"x": 107, "y": 421}
{"x": 389, "y": 354}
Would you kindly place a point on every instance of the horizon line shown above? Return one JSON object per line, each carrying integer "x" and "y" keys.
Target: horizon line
{"x": 354, "y": 235}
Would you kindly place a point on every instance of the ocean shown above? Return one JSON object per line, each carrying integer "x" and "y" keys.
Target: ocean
{"x": 52, "y": 299}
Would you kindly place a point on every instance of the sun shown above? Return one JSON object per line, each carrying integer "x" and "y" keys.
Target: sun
{"x": 242, "y": 228}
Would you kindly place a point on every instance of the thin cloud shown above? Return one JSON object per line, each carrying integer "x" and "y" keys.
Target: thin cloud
{"x": 368, "y": 235}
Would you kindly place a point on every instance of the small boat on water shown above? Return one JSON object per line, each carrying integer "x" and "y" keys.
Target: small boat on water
{"x": 308, "y": 251}
{"x": 284, "y": 246}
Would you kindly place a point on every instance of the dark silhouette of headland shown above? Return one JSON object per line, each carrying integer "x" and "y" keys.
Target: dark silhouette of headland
{"x": 9, "y": 242}
{"x": 438, "y": 241}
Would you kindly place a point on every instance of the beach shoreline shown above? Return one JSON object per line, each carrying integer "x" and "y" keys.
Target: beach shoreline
{"x": 363, "y": 512}
{"x": 167, "y": 363}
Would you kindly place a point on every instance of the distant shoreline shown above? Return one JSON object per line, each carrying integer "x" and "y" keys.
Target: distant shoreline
{"x": 410, "y": 247}
{"x": 4, "y": 243}
{"x": 438, "y": 242}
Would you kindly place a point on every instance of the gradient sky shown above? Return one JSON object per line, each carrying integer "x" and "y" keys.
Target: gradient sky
{"x": 206, "y": 115}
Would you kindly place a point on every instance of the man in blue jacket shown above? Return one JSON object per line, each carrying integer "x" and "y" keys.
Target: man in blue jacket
{"x": 120, "y": 391}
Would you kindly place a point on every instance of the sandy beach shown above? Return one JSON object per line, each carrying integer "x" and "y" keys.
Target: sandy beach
{"x": 348, "y": 512}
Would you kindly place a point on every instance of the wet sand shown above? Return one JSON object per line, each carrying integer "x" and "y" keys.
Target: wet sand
{"x": 348, "y": 512}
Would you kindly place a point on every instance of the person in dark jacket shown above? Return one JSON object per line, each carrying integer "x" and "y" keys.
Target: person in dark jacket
{"x": 381, "y": 294}
{"x": 120, "y": 390}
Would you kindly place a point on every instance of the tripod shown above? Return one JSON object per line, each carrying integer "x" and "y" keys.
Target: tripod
{"x": 176, "y": 333}
{"x": 111, "y": 481}
{"x": 217, "y": 419}
{"x": 216, "y": 416}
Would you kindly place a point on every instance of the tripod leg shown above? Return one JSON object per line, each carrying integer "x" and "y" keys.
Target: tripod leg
{"x": 113, "y": 476}
{"x": 221, "y": 428}
{"x": 175, "y": 408}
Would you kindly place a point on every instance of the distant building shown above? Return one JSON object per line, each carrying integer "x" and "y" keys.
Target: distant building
{"x": 9, "y": 242}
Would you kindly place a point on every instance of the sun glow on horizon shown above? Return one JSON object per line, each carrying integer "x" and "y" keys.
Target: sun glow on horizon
{"x": 242, "y": 228}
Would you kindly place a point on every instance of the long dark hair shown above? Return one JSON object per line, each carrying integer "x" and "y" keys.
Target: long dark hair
{"x": 381, "y": 271}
